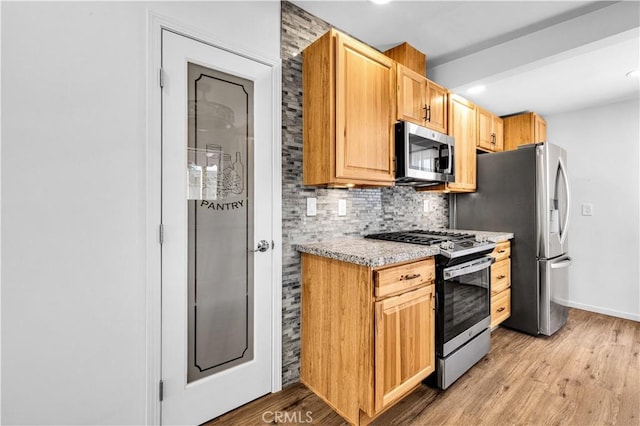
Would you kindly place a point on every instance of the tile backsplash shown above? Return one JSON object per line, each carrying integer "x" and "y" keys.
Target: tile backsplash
{"x": 368, "y": 210}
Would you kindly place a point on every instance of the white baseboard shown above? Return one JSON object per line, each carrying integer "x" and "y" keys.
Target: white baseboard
{"x": 610, "y": 312}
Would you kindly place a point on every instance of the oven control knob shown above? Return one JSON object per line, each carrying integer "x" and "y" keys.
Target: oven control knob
{"x": 481, "y": 238}
{"x": 447, "y": 245}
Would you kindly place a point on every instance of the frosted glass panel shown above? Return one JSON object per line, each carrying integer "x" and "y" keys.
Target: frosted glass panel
{"x": 219, "y": 273}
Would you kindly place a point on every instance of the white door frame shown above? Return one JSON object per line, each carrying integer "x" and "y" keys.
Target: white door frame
{"x": 155, "y": 24}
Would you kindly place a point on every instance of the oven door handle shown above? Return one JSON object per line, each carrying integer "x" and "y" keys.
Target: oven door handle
{"x": 468, "y": 268}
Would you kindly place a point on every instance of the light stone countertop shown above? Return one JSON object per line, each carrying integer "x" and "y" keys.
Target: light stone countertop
{"x": 375, "y": 253}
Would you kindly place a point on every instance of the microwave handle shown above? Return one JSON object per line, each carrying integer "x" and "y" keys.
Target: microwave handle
{"x": 440, "y": 149}
{"x": 448, "y": 171}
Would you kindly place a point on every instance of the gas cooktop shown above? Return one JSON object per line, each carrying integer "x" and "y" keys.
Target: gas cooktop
{"x": 451, "y": 244}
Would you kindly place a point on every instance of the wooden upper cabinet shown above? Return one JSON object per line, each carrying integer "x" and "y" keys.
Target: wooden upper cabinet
{"x": 420, "y": 100}
{"x": 522, "y": 129}
{"x": 498, "y": 129}
{"x": 539, "y": 128}
{"x": 409, "y": 56}
{"x": 437, "y": 105}
{"x": 490, "y": 131}
{"x": 411, "y": 96}
{"x": 348, "y": 113}
{"x": 463, "y": 127}
{"x": 404, "y": 338}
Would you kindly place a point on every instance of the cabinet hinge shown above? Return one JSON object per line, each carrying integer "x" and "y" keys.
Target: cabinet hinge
{"x": 161, "y": 77}
{"x": 161, "y": 390}
{"x": 161, "y": 233}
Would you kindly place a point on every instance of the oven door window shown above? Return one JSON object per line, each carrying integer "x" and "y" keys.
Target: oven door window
{"x": 466, "y": 302}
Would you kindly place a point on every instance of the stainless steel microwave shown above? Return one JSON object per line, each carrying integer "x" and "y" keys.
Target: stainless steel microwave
{"x": 423, "y": 156}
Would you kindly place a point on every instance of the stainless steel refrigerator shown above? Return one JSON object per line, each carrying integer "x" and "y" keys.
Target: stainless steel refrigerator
{"x": 526, "y": 191}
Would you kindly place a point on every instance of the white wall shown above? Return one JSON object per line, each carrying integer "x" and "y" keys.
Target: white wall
{"x": 604, "y": 159}
{"x": 73, "y": 199}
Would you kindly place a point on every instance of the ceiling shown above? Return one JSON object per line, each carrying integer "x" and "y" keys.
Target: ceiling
{"x": 548, "y": 57}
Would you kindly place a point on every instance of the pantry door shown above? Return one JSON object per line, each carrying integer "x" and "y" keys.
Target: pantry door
{"x": 217, "y": 133}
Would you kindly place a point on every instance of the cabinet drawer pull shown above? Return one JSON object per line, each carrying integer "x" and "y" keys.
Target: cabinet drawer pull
{"x": 502, "y": 308}
{"x": 409, "y": 277}
{"x": 499, "y": 277}
{"x": 502, "y": 251}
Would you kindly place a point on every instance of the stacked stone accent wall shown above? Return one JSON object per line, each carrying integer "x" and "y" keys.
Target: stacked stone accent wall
{"x": 368, "y": 210}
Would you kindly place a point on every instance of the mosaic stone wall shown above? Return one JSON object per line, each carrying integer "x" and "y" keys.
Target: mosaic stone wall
{"x": 368, "y": 210}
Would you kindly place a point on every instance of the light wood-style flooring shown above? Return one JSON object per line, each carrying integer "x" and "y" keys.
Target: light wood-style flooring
{"x": 586, "y": 374}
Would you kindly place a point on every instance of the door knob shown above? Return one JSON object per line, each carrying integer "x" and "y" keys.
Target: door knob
{"x": 263, "y": 245}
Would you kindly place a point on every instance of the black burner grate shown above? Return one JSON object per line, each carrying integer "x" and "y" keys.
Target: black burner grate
{"x": 421, "y": 236}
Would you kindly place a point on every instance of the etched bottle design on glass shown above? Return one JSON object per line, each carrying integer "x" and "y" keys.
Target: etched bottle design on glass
{"x": 224, "y": 186}
{"x": 238, "y": 175}
{"x": 233, "y": 175}
{"x": 212, "y": 169}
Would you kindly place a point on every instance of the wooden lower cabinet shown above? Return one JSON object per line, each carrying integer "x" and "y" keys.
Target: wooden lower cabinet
{"x": 500, "y": 276}
{"x": 501, "y": 283}
{"x": 361, "y": 353}
{"x": 404, "y": 355}
{"x": 500, "y": 307}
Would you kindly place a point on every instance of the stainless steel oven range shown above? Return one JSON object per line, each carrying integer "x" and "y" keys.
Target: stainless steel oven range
{"x": 463, "y": 298}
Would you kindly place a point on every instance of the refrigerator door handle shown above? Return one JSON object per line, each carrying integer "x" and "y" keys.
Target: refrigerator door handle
{"x": 564, "y": 264}
{"x": 565, "y": 226}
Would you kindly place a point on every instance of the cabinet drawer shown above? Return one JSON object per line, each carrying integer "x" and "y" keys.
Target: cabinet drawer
{"x": 403, "y": 277}
{"x": 500, "y": 276}
{"x": 500, "y": 307}
{"x": 502, "y": 251}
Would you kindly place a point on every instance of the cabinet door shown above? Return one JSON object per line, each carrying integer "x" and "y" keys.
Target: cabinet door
{"x": 412, "y": 89}
{"x": 490, "y": 131}
{"x": 462, "y": 126}
{"x": 404, "y": 344}
{"x": 539, "y": 129}
{"x": 485, "y": 133}
{"x": 523, "y": 129}
{"x": 498, "y": 131}
{"x": 437, "y": 104}
{"x": 365, "y": 112}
